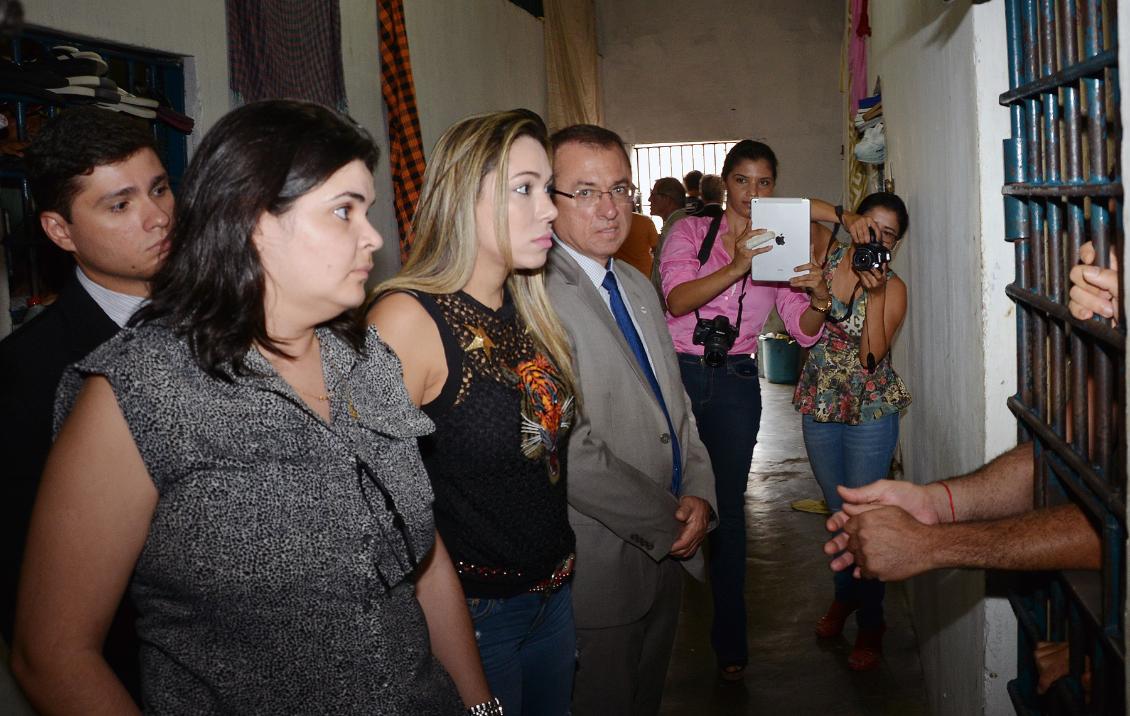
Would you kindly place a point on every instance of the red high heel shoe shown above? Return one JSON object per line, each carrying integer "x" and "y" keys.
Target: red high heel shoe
{"x": 868, "y": 649}
{"x": 832, "y": 624}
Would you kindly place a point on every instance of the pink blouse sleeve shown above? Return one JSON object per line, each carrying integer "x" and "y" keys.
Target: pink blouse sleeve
{"x": 679, "y": 261}
{"x": 791, "y": 304}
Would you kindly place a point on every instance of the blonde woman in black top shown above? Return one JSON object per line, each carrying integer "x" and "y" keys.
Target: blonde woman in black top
{"x": 487, "y": 360}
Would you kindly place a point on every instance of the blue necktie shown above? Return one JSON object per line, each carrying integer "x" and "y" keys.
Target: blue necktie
{"x": 624, "y": 321}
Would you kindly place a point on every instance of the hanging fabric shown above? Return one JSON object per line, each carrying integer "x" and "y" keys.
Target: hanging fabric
{"x": 406, "y": 147}
{"x": 853, "y": 83}
{"x": 572, "y": 66}
{"x": 286, "y": 49}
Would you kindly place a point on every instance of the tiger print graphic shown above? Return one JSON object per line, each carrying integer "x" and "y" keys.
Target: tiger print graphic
{"x": 547, "y": 412}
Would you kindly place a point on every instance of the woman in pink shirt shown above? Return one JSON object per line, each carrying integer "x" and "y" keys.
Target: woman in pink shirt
{"x": 711, "y": 304}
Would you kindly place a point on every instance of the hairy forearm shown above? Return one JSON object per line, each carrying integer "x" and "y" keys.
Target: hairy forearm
{"x": 1058, "y": 537}
{"x": 1001, "y": 488}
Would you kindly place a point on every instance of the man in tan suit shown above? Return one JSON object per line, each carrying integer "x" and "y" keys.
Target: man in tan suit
{"x": 641, "y": 491}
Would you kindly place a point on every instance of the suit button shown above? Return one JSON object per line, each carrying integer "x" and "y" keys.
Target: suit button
{"x": 665, "y": 438}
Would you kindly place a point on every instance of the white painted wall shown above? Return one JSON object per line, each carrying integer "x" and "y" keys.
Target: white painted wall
{"x": 942, "y": 68}
{"x": 719, "y": 70}
{"x": 471, "y": 57}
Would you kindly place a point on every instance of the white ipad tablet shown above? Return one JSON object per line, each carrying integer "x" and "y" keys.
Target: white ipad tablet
{"x": 790, "y": 220}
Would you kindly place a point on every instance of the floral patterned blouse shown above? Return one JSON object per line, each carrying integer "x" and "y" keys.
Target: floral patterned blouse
{"x": 833, "y": 386}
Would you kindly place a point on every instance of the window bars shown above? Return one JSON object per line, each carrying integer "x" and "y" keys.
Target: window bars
{"x": 651, "y": 162}
{"x": 1063, "y": 188}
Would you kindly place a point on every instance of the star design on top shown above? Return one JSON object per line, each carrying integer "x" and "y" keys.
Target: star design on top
{"x": 481, "y": 341}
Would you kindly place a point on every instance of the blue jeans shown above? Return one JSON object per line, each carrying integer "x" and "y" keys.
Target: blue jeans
{"x": 852, "y": 456}
{"x": 727, "y": 406}
{"x": 529, "y": 649}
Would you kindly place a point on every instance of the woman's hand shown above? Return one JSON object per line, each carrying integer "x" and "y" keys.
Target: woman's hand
{"x": 860, "y": 227}
{"x": 743, "y": 257}
{"x": 811, "y": 281}
{"x": 873, "y": 280}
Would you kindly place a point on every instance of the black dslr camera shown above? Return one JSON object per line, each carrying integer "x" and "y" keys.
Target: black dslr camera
{"x": 716, "y": 336}
{"x": 870, "y": 256}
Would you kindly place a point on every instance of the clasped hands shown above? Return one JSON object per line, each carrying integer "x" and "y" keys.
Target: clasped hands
{"x": 884, "y": 530}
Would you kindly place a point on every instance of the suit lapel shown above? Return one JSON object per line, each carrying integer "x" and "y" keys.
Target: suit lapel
{"x": 594, "y": 302}
{"x": 87, "y": 324}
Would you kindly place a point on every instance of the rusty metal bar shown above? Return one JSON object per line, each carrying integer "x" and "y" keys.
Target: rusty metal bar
{"x": 1091, "y": 66}
{"x": 1062, "y": 189}
{"x": 1073, "y": 175}
{"x": 1052, "y": 279}
{"x": 1102, "y": 368}
{"x": 1105, "y": 333}
{"x": 1112, "y": 500}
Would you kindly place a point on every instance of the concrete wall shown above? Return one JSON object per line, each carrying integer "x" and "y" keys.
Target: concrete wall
{"x": 942, "y": 68}
{"x": 721, "y": 70}
{"x": 473, "y": 57}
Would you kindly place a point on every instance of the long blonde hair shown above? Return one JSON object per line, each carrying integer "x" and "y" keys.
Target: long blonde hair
{"x": 442, "y": 257}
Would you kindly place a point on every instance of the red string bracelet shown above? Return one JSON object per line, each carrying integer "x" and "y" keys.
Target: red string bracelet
{"x": 953, "y": 512}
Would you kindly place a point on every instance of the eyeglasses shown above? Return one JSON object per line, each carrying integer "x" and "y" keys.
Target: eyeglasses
{"x": 621, "y": 194}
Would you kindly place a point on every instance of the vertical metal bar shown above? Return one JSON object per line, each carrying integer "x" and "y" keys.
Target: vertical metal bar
{"x": 1102, "y": 369}
{"x": 1073, "y": 174}
{"x": 1034, "y": 269}
{"x": 1052, "y": 282}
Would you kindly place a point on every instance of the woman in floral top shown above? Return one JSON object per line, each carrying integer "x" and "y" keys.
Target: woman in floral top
{"x": 850, "y": 398}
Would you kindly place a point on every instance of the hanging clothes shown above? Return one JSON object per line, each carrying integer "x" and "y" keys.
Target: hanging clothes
{"x": 406, "y": 146}
{"x": 286, "y": 49}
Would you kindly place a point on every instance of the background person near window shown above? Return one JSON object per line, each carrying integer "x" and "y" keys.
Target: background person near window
{"x": 726, "y": 397}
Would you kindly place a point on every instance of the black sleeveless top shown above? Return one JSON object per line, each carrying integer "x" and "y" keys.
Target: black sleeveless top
{"x": 497, "y": 458}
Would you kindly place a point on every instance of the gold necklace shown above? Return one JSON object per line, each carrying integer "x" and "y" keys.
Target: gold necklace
{"x": 324, "y": 397}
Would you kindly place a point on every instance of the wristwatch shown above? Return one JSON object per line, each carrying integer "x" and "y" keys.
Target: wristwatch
{"x": 820, "y": 306}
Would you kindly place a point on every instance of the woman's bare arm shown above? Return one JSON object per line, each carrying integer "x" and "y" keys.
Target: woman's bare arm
{"x": 449, "y": 623}
{"x": 90, "y": 522}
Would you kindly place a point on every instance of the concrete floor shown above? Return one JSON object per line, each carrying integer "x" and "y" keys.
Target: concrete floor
{"x": 788, "y": 587}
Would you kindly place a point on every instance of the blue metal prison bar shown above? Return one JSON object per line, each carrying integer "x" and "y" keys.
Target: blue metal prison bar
{"x": 1063, "y": 189}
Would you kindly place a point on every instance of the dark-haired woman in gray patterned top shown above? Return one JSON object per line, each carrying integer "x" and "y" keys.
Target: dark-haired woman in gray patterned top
{"x": 244, "y": 461}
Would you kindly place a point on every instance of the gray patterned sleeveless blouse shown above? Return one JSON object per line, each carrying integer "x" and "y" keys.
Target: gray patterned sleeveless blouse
{"x": 276, "y": 576}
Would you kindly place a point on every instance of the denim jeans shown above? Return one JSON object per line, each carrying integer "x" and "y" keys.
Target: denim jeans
{"x": 726, "y": 400}
{"x": 852, "y": 456}
{"x": 529, "y": 648}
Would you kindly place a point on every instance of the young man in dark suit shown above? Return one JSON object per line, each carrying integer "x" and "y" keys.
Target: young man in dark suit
{"x": 103, "y": 196}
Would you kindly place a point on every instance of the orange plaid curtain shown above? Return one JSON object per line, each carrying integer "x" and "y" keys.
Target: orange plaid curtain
{"x": 406, "y": 148}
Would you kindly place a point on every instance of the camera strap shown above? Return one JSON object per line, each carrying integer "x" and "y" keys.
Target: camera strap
{"x": 704, "y": 254}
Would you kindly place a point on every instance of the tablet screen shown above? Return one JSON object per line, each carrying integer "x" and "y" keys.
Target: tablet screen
{"x": 790, "y": 220}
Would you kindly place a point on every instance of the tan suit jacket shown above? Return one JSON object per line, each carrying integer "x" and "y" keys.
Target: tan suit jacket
{"x": 619, "y": 455}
